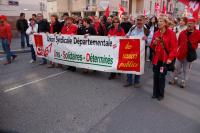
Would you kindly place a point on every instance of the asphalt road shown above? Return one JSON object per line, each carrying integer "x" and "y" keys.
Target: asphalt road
{"x": 34, "y": 99}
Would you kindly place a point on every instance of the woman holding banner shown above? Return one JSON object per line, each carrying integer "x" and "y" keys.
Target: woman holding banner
{"x": 115, "y": 30}
{"x": 55, "y": 28}
{"x": 164, "y": 46}
{"x": 33, "y": 28}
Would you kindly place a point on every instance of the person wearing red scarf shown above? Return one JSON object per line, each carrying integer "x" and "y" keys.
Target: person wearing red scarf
{"x": 5, "y": 38}
{"x": 192, "y": 35}
{"x": 96, "y": 23}
{"x": 164, "y": 45}
{"x": 115, "y": 30}
{"x": 55, "y": 28}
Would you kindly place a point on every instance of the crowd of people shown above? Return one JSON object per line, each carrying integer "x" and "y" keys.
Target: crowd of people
{"x": 171, "y": 43}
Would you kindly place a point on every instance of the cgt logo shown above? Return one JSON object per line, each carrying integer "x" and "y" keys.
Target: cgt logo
{"x": 39, "y": 44}
{"x": 40, "y": 50}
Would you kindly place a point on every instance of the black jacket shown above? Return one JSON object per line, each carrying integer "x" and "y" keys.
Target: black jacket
{"x": 155, "y": 27}
{"x": 43, "y": 26}
{"x": 90, "y": 30}
{"x": 57, "y": 27}
{"x": 22, "y": 25}
{"x": 126, "y": 26}
{"x": 102, "y": 30}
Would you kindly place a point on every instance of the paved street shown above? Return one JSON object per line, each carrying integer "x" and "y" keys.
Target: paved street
{"x": 34, "y": 99}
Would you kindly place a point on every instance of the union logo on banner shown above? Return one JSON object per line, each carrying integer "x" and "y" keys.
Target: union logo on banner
{"x": 129, "y": 55}
{"x": 39, "y": 45}
{"x": 40, "y": 50}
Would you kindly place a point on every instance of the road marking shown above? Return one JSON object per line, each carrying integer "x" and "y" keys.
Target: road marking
{"x": 32, "y": 82}
{"x": 2, "y": 58}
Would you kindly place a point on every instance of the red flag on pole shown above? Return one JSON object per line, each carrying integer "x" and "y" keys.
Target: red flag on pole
{"x": 107, "y": 12}
{"x": 194, "y": 7}
{"x": 157, "y": 7}
{"x": 186, "y": 2}
{"x": 121, "y": 10}
{"x": 164, "y": 9}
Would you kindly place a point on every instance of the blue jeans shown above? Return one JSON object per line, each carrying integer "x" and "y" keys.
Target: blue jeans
{"x": 33, "y": 53}
{"x": 6, "y": 49}
{"x": 23, "y": 36}
{"x": 44, "y": 60}
{"x": 130, "y": 79}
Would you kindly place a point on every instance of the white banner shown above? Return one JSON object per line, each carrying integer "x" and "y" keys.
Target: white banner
{"x": 102, "y": 53}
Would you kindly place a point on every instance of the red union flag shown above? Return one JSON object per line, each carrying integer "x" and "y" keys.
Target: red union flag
{"x": 193, "y": 5}
{"x": 129, "y": 55}
{"x": 107, "y": 11}
{"x": 186, "y": 2}
{"x": 121, "y": 10}
{"x": 157, "y": 6}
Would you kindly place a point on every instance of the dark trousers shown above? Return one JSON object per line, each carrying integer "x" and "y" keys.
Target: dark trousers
{"x": 130, "y": 79}
{"x": 113, "y": 75}
{"x": 33, "y": 53}
{"x": 159, "y": 80}
{"x": 23, "y": 36}
{"x": 44, "y": 61}
{"x": 6, "y": 49}
{"x": 150, "y": 52}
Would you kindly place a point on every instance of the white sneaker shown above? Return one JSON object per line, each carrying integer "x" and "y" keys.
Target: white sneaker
{"x": 32, "y": 61}
{"x": 173, "y": 81}
{"x": 182, "y": 84}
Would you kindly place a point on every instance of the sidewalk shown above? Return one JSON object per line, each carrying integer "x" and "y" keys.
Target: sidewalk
{"x": 16, "y": 47}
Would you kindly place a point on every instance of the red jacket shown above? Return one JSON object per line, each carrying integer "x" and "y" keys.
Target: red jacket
{"x": 5, "y": 32}
{"x": 69, "y": 30}
{"x": 115, "y": 32}
{"x": 183, "y": 46}
{"x": 170, "y": 41}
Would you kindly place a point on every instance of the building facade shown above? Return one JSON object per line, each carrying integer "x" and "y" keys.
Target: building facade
{"x": 97, "y": 7}
{"x": 84, "y": 7}
{"x": 12, "y": 9}
{"x": 15, "y": 7}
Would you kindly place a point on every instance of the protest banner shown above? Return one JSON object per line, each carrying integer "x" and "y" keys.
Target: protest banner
{"x": 102, "y": 53}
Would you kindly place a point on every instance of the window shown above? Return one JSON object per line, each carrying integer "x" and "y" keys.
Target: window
{"x": 91, "y": 2}
{"x": 124, "y": 3}
{"x": 13, "y": 3}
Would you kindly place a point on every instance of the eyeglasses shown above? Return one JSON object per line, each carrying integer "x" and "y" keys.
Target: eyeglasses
{"x": 116, "y": 22}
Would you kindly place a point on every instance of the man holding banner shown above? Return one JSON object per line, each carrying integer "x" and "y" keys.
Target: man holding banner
{"x": 137, "y": 30}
